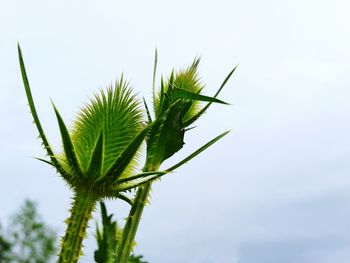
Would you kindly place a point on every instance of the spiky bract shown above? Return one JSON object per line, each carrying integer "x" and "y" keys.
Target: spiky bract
{"x": 187, "y": 80}
{"x": 114, "y": 113}
{"x": 103, "y": 129}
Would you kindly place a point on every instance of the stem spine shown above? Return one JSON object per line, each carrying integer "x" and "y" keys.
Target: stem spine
{"x": 83, "y": 205}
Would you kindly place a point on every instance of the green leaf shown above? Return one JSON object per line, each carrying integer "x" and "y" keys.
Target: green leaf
{"x": 43, "y": 160}
{"x": 184, "y": 94}
{"x": 171, "y": 79}
{"x": 32, "y": 105}
{"x": 96, "y": 162}
{"x": 147, "y": 111}
{"x": 37, "y": 122}
{"x": 195, "y": 153}
{"x": 166, "y": 136}
{"x": 194, "y": 118}
{"x": 67, "y": 144}
{"x": 141, "y": 175}
{"x": 126, "y": 186}
{"x": 126, "y": 156}
{"x": 154, "y": 73}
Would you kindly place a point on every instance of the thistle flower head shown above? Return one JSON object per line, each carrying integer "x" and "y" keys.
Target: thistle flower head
{"x": 99, "y": 152}
{"x": 101, "y": 132}
{"x": 177, "y": 104}
{"x": 185, "y": 81}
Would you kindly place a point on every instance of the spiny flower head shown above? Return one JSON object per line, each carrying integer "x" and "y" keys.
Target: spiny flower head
{"x": 101, "y": 132}
{"x": 185, "y": 81}
{"x": 100, "y": 150}
{"x": 176, "y": 105}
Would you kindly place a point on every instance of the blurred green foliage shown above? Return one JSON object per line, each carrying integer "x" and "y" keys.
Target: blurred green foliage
{"x": 28, "y": 239}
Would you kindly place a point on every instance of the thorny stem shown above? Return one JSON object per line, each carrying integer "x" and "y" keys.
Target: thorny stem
{"x": 81, "y": 212}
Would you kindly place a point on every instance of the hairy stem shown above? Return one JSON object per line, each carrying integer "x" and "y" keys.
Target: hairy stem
{"x": 81, "y": 212}
{"x": 132, "y": 223}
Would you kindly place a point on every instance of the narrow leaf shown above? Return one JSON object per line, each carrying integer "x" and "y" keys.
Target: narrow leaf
{"x": 43, "y": 160}
{"x": 103, "y": 212}
{"x": 194, "y": 154}
{"x": 158, "y": 108}
{"x": 147, "y": 111}
{"x": 225, "y": 81}
{"x": 37, "y": 122}
{"x": 154, "y": 73}
{"x": 171, "y": 79}
{"x": 141, "y": 175}
{"x": 148, "y": 179}
{"x": 126, "y": 156}
{"x": 96, "y": 162}
{"x": 194, "y": 118}
{"x": 184, "y": 94}
{"x": 67, "y": 144}
{"x": 31, "y": 103}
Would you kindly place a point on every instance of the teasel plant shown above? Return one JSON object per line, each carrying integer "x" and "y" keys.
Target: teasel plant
{"x": 177, "y": 105}
{"x": 99, "y": 156}
{"x": 100, "y": 151}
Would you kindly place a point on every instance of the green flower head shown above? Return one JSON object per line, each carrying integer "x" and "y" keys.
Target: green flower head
{"x": 100, "y": 151}
{"x": 101, "y": 132}
{"x": 177, "y": 105}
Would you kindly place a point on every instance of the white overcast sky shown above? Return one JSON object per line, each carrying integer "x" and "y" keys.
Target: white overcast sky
{"x": 276, "y": 189}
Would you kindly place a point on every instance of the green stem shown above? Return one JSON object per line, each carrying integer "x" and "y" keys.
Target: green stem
{"x": 81, "y": 212}
{"x": 132, "y": 223}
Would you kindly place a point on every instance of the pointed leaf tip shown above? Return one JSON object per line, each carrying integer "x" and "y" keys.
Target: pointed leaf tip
{"x": 67, "y": 143}
{"x": 200, "y": 113}
{"x": 184, "y": 94}
{"x": 96, "y": 161}
{"x": 125, "y": 157}
{"x": 195, "y": 153}
{"x": 33, "y": 111}
{"x": 147, "y": 111}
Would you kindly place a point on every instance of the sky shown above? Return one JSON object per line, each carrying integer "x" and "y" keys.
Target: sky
{"x": 276, "y": 189}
